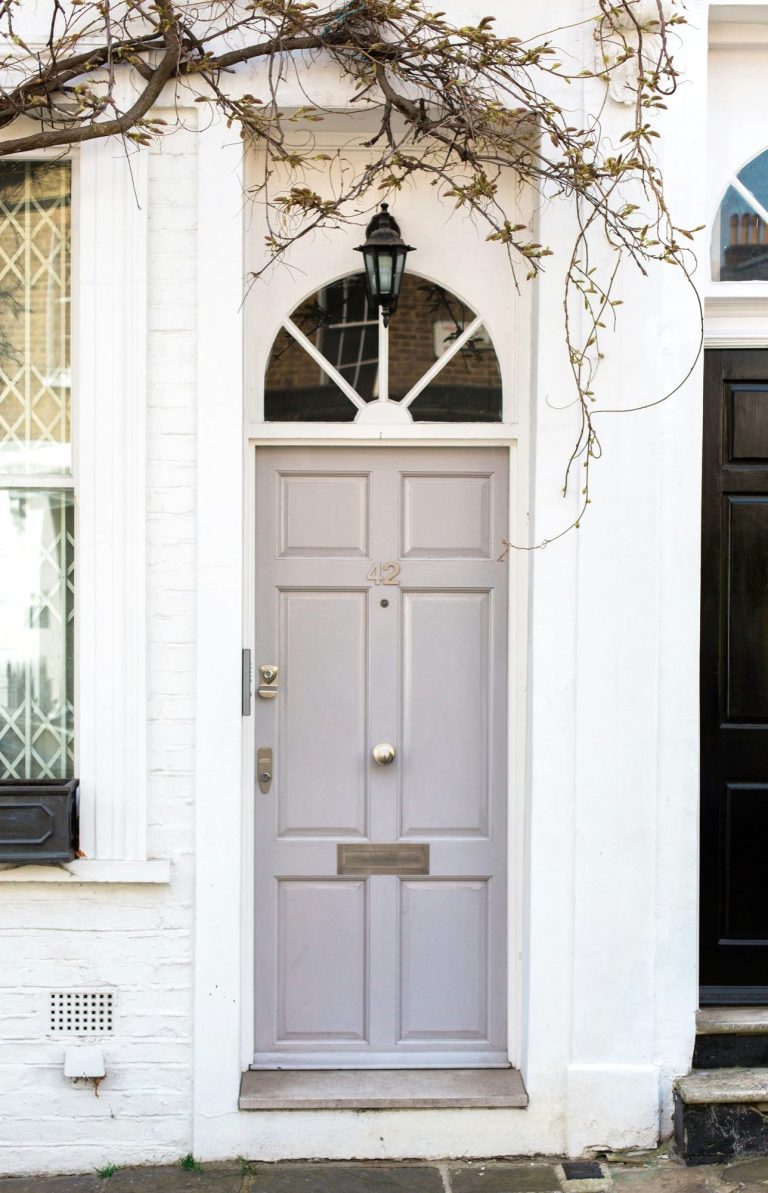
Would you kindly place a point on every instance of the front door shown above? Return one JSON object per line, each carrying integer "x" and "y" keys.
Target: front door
{"x": 380, "y": 835}
{"x": 734, "y": 679}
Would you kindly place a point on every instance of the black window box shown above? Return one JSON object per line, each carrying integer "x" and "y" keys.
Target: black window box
{"x": 38, "y": 820}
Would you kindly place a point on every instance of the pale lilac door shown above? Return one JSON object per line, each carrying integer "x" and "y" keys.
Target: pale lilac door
{"x": 381, "y": 886}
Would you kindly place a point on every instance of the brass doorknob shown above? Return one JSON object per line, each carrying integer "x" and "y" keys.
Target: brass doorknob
{"x": 383, "y": 754}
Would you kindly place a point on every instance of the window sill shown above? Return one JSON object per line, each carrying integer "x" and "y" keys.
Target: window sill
{"x": 156, "y": 872}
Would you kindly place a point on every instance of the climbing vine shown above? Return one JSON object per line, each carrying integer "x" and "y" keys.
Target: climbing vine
{"x": 459, "y": 106}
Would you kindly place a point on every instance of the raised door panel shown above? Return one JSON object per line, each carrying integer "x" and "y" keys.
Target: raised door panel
{"x": 444, "y": 955}
{"x": 323, "y": 516}
{"x": 446, "y": 516}
{"x": 749, "y": 423}
{"x": 322, "y": 960}
{"x": 321, "y": 778}
{"x": 447, "y": 669}
{"x": 746, "y": 641}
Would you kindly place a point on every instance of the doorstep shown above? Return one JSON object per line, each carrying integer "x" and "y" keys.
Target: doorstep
{"x": 381, "y": 1089}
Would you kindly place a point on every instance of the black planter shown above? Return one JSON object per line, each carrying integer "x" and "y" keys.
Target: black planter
{"x": 38, "y": 820}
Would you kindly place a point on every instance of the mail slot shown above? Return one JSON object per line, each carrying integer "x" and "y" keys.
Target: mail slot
{"x": 364, "y": 860}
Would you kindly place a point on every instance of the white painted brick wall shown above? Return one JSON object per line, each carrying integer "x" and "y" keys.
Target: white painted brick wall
{"x": 137, "y": 940}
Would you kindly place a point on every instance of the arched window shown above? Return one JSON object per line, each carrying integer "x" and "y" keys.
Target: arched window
{"x": 740, "y": 236}
{"x": 334, "y": 361}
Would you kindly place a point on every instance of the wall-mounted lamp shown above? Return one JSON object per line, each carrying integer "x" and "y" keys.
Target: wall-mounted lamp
{"x": 384, "y": 254}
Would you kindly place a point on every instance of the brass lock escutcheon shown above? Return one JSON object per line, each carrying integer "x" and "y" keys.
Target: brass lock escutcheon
{"x": 267, "y": 688}
{"x": 264, "y": 767}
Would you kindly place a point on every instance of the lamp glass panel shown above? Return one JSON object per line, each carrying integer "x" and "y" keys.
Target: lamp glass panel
{"x": 370, "y": 269}
{"x": 385, "y": 261}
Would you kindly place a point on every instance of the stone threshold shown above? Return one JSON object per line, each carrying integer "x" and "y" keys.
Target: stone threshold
{"x": 381, "y": 1089}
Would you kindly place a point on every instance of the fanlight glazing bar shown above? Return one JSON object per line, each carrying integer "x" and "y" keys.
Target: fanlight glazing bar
{"x": 324, "y": 364}
{"x": 442, "y": 361}
{"x": 383, "y": 360}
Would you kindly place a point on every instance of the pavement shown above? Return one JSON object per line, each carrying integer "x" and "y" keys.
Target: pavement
{"x": 633, "y": 1172}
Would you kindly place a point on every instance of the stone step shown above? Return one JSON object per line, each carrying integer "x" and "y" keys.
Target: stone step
{"x": 721, "y": 1114}
{"x": 731, "y": 1037}
{"x": 719, "y": 1021}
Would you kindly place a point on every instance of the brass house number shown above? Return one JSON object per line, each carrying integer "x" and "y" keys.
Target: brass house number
{"x": 384, "y": 573}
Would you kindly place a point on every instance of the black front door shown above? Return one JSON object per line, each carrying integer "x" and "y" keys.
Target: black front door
{"x": 734, "y": 679}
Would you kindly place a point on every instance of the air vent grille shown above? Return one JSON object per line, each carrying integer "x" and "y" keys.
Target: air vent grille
{"x": 81, "y": 1012}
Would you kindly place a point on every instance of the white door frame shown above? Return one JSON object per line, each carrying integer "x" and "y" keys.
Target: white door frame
{"x": 428, "y": 435}
{"x": 226, "y": 428}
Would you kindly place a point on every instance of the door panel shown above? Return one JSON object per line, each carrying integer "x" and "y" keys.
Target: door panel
{"x": 321, "y": 935}
{"x": 746, "y": 559}
{"x": 324, "y": 516}
{"x": 734, "y": 683}
{"x": 446, "y": 516}
{"x": 381, "y": 600}
{"x": 323, "y": 649}
{"x": 447, "y": 672}
{"x": 445, "y": 937}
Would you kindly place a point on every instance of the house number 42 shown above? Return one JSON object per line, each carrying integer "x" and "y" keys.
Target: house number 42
{"x": 384, "y": 573}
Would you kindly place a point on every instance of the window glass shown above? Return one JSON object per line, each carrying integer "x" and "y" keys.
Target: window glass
{"x": 340, "y": 325}
{"x": 428, "y": 321}
{"x": 34, "y": 317}
{"x": 36, "y": 633}
{"x": 740, "y": 237}
{"x": 36, "y": 524}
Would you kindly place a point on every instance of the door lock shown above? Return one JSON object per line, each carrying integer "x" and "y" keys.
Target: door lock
{"x": 264, "y": 768}
{"x": 268, "y": 673}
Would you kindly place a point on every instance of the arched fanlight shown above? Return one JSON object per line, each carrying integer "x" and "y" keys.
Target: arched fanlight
{"x": 384, "y": 254}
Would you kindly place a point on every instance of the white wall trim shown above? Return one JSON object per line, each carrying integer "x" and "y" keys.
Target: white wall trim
{"x": 736, "y": 321}
{"x": 110, "y": 358}
{"x": 737, "y": 36}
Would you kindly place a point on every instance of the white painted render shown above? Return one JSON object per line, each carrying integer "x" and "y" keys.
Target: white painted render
{"x": 604, "y": 785}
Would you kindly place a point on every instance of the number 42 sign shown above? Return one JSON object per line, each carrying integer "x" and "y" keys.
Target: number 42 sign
{"x": 384, "y": 573}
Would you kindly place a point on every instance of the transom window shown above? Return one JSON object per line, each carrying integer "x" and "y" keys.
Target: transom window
{"x": 36, "y": 481}
{"x": 334, "y": 361}
{"x": 740, "y": 237}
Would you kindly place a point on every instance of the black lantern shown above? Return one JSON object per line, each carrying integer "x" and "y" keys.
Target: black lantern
{"x": 384, "y": 253}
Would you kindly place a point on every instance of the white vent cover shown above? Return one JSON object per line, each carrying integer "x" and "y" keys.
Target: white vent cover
{"x": 81, "y": 1012}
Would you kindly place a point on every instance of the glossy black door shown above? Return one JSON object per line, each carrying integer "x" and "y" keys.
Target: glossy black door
{"x": 734, "y": 679}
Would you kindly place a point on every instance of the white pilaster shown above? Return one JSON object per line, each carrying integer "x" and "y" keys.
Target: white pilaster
{"x": 110, "y": 352}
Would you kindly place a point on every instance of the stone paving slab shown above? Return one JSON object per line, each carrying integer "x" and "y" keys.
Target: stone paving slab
{"x": 504, "y": 1178}
{"x": 747, "y": 1170}
{"x": 341, "y": 1178}
{"x": 212, "y": 1178}
{"x": 51, "y": 1184}
{"x": 672, "y": 1178}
